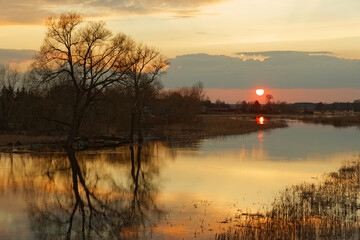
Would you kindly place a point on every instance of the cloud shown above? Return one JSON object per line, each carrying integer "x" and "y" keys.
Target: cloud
{"x": 35, "y": 12}
{"x": 284, "y": 53}
{"x": 22, "y": 12}
{"x": 282, "y": 69}
{"x": 150, "y": 5}
{"x": 10, "y": 56}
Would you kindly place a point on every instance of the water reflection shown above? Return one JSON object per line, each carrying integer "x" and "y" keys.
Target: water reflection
{"x": 261, "y": 136}
{"x": 117, "y": 193}
{"x": 71, "y": 196}
{"x": 298, "y": 141}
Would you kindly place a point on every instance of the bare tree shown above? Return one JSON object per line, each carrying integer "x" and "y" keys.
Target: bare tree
{"x": 85, "y": 56}
{"x": 9, "y": 77}
{"x": 269, "y": 98}
{"x": 3, "y": 70}
{"x": 146, "y": 65}
{"x": 268, "y": 106}
{"x": 9, "y": 83}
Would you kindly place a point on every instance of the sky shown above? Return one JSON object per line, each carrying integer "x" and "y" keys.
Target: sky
{"x": 317, "y": 38}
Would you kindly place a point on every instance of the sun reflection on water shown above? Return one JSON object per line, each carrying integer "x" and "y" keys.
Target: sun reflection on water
{"x": 260, "y": 120}
{"x": 261, "y": 136}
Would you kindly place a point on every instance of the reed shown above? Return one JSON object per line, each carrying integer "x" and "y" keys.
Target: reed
{"x": 327, "y": 209}
{"x": 338, "y": 121}
{"x": 218, "y": 125}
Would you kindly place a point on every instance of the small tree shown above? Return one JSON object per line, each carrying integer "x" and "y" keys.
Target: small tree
{"x": 268, "y": 106}
{"x": 9, "y": 81}
{"x": 184, "y": 104}
{"x": 244, "y": 107}
{"x": 319, "y": 107}
{"x": 146, "y": 64}
{"x": 255, "y": 107}
{"x": 85, "y": 56}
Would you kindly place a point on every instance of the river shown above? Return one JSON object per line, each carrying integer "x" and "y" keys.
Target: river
{"x": 163, "y": 190}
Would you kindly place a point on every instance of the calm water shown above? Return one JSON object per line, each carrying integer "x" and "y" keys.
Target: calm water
{"x": 159, "y": 191}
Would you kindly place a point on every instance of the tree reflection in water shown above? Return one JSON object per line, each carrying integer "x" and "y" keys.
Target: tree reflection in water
{"x": 83, "y": 201}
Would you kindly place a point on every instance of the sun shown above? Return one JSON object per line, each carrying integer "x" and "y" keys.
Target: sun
{"x": 260, "y": 92}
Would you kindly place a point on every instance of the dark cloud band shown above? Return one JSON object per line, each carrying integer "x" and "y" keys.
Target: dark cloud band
{"x": 35, "y": 12}
{"x": 8, "y": 56}
{"x": 281, "y": 69}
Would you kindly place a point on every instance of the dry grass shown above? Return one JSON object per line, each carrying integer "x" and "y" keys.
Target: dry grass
{"x": 341, "y": 121}
{"x": 219, "y": 125}
{"x": 203, "y": 127}
{"x": 328, "y": 209}
{"x": 267, "y": 228}
{"x": 213, "y": 126}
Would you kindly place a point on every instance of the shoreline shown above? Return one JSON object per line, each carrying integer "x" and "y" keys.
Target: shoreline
{"x": 204, "y": 127}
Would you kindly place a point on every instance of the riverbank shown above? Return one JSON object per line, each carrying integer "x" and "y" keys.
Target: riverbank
{"x": 208, "y": 126}
{"x": 337, "y": 121}
{"x": 18, "y": 139}
{"x": 205, "y": 126}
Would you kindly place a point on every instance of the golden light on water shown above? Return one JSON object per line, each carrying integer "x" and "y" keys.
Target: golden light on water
{"x": 260, "y": 91}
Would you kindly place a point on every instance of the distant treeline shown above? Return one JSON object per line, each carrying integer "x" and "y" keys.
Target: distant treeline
{"x": 25, "y": 107}
{"x": 272, "y": 107}
{"x": 248, "y": 107}
{"x": 339, "y": 106}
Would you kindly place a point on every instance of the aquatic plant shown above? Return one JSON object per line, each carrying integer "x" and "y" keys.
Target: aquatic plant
{"x": 327, "y": 209}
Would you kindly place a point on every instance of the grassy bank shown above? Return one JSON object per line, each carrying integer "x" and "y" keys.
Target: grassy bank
{"x": 205, "y": 126}
{"x": 339, "y": 121}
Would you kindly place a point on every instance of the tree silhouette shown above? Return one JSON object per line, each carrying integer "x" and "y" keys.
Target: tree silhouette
{"x": 85, "y": 56}
{"x": 146, "y": 64}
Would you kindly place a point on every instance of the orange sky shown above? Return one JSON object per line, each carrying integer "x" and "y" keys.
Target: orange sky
{"x": 179, "y": 27}
{"x": 224, "y": 27}
{"x": 288, "y": 95}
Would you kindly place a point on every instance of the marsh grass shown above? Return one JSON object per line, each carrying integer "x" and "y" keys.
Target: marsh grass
{"x": 203, "y": 127}
{"x": 216, "y": 125}
{"x": 267, "y": 228}
{"x": 328, "y": 209}
{"x": 338, "y": 121}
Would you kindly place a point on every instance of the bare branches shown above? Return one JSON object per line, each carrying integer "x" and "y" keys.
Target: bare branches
{"x": 85, "y": 56}
{"x": 88, "y": 57}
{"x": 145, "y": 66}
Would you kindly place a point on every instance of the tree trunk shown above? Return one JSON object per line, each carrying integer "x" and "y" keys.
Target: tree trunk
{"x": 75, "y": 125}
{"x": 139, "y": 124}
{"x": 132, "y": 124}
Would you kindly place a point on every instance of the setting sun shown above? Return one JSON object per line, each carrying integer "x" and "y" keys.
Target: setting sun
{"x": 260, "y": 120}
{"x": 182, "y": 119}
{"x": 260, "y": 92}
